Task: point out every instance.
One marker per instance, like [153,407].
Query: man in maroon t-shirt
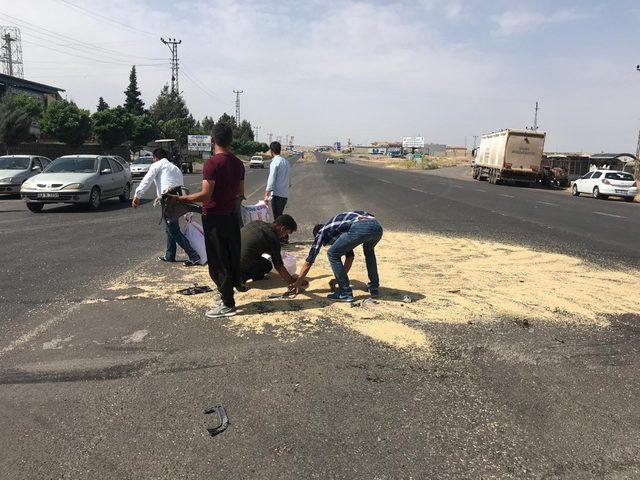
[222,185]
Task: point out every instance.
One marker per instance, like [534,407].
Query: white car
[256,162]
[15,169]
[606,183]
[140,167]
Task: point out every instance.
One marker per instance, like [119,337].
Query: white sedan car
[606,183]
[256,162]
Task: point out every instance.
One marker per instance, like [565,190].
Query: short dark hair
[275,147]
[317,228]
[160,153]
[287,222]
[222,134]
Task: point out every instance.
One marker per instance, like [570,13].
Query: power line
[172,43]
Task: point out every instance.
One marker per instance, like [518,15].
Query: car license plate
[621,191]
[48,195]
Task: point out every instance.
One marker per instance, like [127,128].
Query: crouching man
[344,233]
[259,238]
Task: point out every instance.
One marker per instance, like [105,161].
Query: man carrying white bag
[195,234]
[260,211]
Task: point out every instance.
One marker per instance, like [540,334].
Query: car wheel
[596,193]
[126,194]
[94,199]
[35,207]
[629,199]
[574,191]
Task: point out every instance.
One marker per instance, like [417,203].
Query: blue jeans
[174,235]
[366,233]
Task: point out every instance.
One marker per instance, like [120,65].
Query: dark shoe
[191,263]
[374,292]
[341,296]
[242,288]
[164,259]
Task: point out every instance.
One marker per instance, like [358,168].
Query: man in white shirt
[168,179]
[277,191]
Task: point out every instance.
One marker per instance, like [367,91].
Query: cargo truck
[509,155]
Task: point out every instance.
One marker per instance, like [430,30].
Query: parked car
[256,162]
[85,179]
[342,160]
[140,167]
[330,160]
[15,169]
[606,183]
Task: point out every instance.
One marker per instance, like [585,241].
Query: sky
[327,70]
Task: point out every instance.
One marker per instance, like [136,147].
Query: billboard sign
[199,143]
[412,142]
[337,146]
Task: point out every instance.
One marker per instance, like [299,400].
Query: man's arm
[271,181]
[201,196]
[284,273]
[299,284]
[145,183]
[241,189]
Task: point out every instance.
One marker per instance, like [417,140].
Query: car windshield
[619,176]
[77,164]
[144,161]
[14,163]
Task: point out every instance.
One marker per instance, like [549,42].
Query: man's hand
[299,285]
[267,197]
[135,202]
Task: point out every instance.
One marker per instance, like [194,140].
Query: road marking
[418,190]
[383,180]
[505,195]
[548,203]
[479,190]
[456,186]
[609,215]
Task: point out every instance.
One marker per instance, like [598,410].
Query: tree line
[130,123]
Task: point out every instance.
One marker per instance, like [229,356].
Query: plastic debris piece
[222,420]
[195,289]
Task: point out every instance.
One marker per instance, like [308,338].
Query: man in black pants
[259,238]
[222,185]
[277,191]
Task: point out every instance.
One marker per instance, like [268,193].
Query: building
[578,164]
[435,149]
[456,152]
[14,85]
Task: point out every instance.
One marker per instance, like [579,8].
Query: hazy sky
[367,70]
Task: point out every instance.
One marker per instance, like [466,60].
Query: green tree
[67,123]
[33,106]
[133,102]
[102,105]
[15,123]
[144,130]
[229,120]
[244,131]
[207,124]
[178,129]
[168,106]
[248,147]
[113,126]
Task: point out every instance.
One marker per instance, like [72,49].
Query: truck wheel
[574,191]
[474,174]
[191,168]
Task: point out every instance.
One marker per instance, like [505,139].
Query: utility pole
[535,119]
[172,43]
[238,92]
[257,131]
[270,138]
[475,139]
[10,54]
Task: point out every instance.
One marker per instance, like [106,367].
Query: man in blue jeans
[344,233]
[168,179]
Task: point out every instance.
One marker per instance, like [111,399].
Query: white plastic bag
[259,211]
[195,234]
[288,259]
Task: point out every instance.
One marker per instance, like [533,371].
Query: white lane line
[505,195]
[609,215]
[548,203]
[418,190]
[383,180]
[456,186]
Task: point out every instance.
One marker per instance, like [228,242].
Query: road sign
[337,146]
[199,143]
[412,142]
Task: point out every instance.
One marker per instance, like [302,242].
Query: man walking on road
[344,232]
[222,184]
[168,179]
[277,190]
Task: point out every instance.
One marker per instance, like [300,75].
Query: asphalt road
[330,405]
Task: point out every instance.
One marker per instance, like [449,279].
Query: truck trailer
[509,155]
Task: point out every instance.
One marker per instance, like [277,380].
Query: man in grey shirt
[277,190]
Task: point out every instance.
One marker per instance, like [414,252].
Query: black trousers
[257,271]
[222,240]
[278,204]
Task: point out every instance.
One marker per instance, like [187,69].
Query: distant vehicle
[509,155]
[140,167]
[606,183]
[554,176]
[256,162]
[87,179]
[330,160]
[15,169]
[122,161]
[342,160]
[395,154]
